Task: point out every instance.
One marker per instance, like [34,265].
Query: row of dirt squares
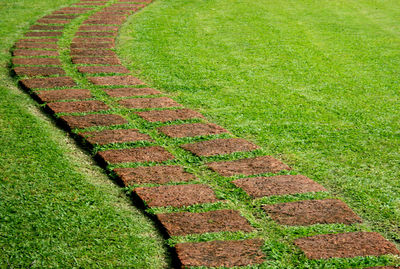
[93,48]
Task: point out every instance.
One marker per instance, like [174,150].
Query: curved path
[128,127]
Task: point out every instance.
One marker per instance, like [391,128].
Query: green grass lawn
[57,208]
[315,83]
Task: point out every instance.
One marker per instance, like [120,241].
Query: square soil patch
[312,212]
[53,21]
[185,223]
[115,136]
[247,167]
[92,52]
[169,115]
[25,52]
[44,83]
[82,45]
[95,34]
[134,155]
[36,61]
[127,92]
[92,120]
[258,187]
[115,80]
[35,45]
[60,16]
[78,106]
[191,130]
[220,253]
[94,40]
[103,69]
[178,195]
[47,27]
[345,245]
[38,71]
[98,28]
[105,21]
[57,95]
[159,102]
[154,174]
[95,60]
[219,147]
[31,34]
[35,40]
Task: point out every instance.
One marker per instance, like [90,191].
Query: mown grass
[57,208]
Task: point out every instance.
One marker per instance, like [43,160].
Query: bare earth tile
[36,61]
[277,185]
[27,52]
[78,106]
[96,60]
[31,34]
[94,39]
[114,136]
[185,223]
[92,120]
[252,166]
[82,45]
[92,52]
[102,69]
[57,95]
[38,71]
[160,102]
[127,92]
[44,83]
[35,45]
[115,80]
[191,130]
[221,253]
[169,115]
[142,154]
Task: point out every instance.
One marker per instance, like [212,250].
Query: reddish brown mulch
[38,71]
[108,16]
[159,102]
[169,115]
[252,166]
[92,120]
[277,185]
[98,28]
[191,130]
[53,21]
[57,95]
[68,12]
[133,155]
[93,40]
[36,61]
[127,92]
[219,146]
[185,223]
[103,69]
[81,45]
[46,27]
[95,60]
[67,17]
[105,21]
[345,245]
[44,83]
[115,136]
[178,196]
[121,9]
[92,52]
[77,8]
[78,106]
[221,253]
[90,4]
[312,212]
[153,174]
[35,45]
[43,34]
[95,34]
[24,52]
[115,80]
[48,40]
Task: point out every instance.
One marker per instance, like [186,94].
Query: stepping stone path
[110,88]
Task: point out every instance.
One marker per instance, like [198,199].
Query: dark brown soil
[38,71]
[115,80]
[36,61]
[89,4]
[46,27]
[178,196]
[44,83]
[93,40]
[277,185]
[209,222]
[113,13]
[98,28]
[92,120]
[67,17]
[53,21]
[92,52]
[108,16]
[220,253]
[69,12]
[128,5]
[312,212]
[105,21]
[95,34]
[169,115]
[23,52]
[43,34]
[191,130]
[92,45]
[115,136]
[95,60]
[103,69]
[252,166]
[133,155]
[123,9]
[77,8]
[159,102]
[48,40]
[78,106]
[346,245]
[35,45]
[127,92]
[57,95]
[219,146]
[155,174]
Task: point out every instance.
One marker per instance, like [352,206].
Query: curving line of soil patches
[36,61]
